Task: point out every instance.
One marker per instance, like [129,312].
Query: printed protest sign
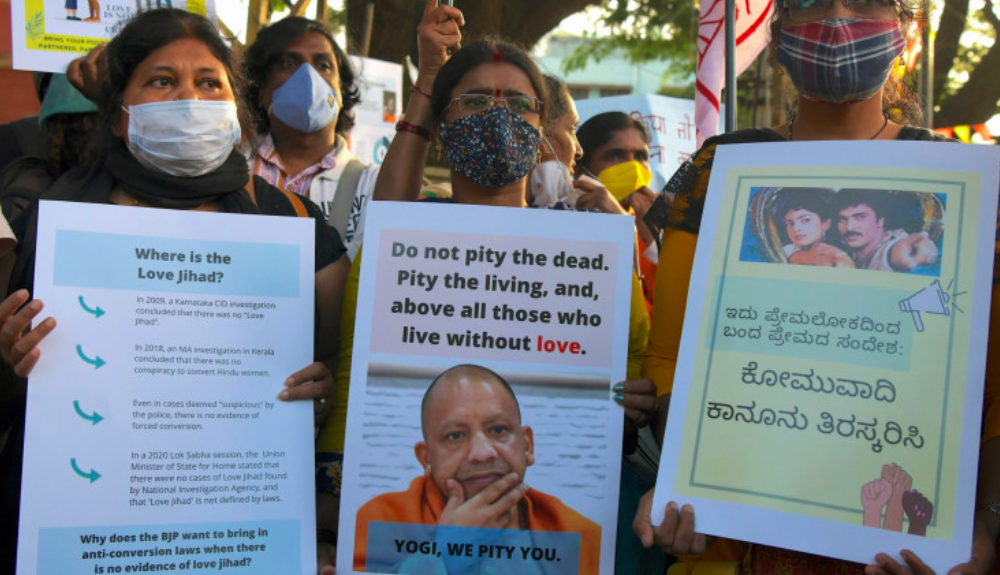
[48,34]
[154,440]
[381,85]
[830,379]
[510,460]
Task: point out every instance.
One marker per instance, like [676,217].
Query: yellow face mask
[623,179]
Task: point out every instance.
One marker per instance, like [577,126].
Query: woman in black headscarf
[171,110]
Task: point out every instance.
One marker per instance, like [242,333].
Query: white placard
[542,299]
[833,407]
[48,34]
[154,439]
[381,104]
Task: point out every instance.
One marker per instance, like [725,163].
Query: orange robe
[423,503]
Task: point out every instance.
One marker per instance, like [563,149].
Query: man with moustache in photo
[475,453]
[861,223]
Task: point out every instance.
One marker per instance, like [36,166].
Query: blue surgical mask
[185,138]
[305,102]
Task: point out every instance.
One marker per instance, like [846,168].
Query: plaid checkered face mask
[841,59]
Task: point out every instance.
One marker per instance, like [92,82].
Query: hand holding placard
[20,349]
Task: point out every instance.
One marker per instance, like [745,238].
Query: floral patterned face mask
[493,148]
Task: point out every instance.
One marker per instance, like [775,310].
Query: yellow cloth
[704,568]
[991,405]
[423,503]
[331,438]
[673,274]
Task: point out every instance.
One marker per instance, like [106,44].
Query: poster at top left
[48,34]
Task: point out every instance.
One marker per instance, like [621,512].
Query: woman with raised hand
[170,109]
[486,108]
[840,97]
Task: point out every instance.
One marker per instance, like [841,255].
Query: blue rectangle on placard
[446,550]
[118,261]
[245,547]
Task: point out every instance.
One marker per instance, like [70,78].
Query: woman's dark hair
[488,49]
[815,200]
[899,103]
[147,32]
[267,51]
[559,98]
[848,198]
[68,142]
[599,130]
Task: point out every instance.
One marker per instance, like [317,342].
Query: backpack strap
[294,199]
[343,200]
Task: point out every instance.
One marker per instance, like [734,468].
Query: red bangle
[404,126]
[416,90]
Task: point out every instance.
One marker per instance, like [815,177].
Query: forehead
[183,53]
[465,393]
[856,208]
[629,139]
[310,43]
[490,77]
[798,212]
[891,8]
[569,119]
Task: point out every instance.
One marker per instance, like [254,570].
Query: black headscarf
[119,169]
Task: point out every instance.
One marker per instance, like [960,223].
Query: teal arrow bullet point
[94,419]
[92,476]
[96,362]
[97,312]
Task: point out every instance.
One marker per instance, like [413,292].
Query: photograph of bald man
[475,453]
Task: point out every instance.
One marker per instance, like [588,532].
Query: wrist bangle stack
[404,126]
[416,90]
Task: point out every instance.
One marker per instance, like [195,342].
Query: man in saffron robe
[474,454]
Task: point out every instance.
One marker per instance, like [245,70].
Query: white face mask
[184,138]
[550,182]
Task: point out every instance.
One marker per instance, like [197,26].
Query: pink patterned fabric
[267,164]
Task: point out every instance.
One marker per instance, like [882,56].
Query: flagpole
[730,65]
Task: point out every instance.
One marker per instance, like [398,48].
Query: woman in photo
[804,215]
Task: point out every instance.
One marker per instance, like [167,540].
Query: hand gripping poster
[830,379]
[482,436]
[48,34]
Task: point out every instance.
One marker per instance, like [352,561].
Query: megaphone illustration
[931,299]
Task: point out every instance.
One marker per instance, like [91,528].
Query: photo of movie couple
[870,229]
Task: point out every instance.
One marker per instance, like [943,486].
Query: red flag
[752,19]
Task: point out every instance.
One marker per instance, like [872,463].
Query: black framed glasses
[520,104]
